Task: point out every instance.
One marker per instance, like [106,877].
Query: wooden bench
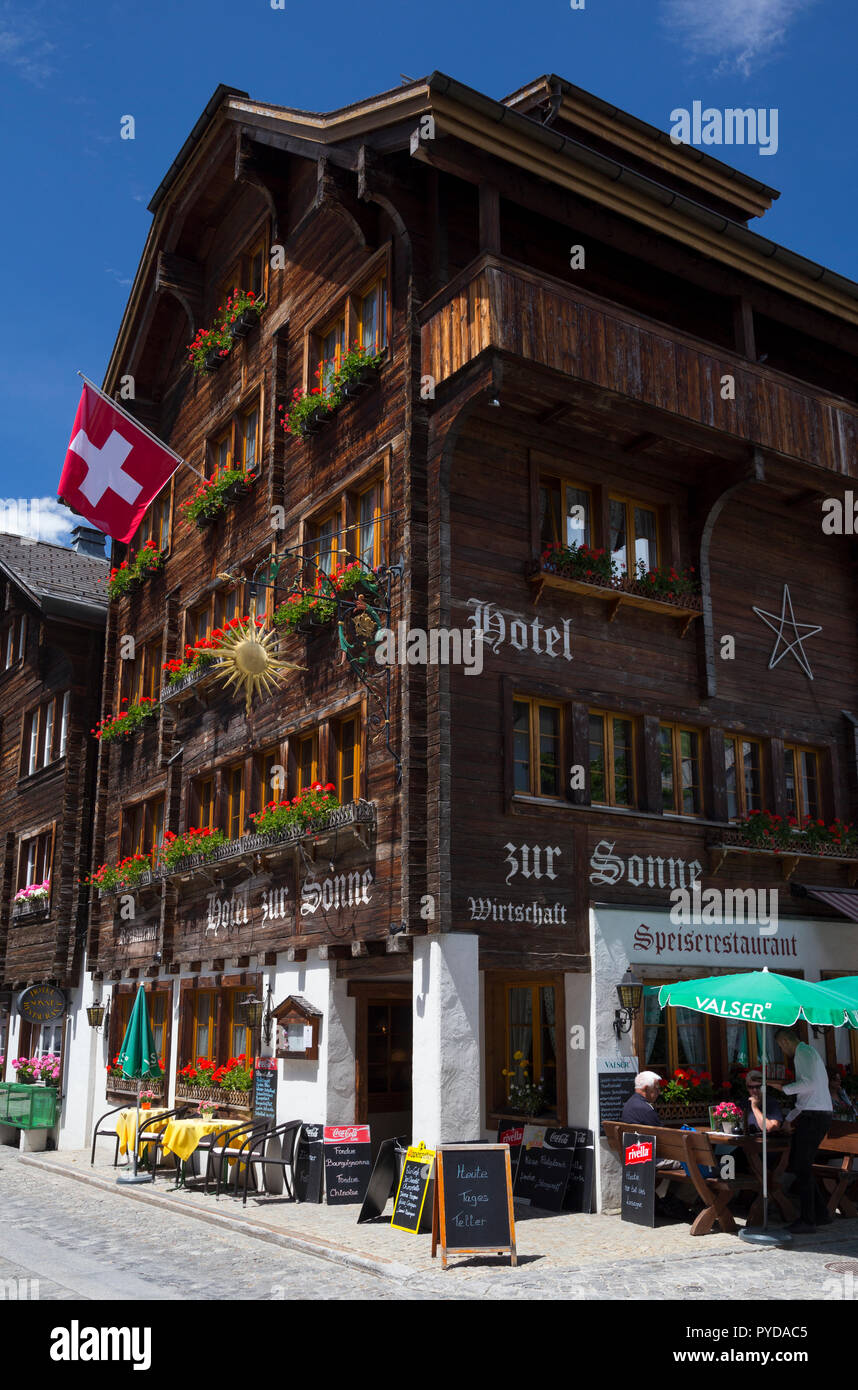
[841,1142]
[692,1148]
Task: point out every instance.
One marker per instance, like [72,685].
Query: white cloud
[117,275]
[36,518]
[24,48]
[743,34]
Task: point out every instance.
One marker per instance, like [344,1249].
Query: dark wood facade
[685,367]
[52,610]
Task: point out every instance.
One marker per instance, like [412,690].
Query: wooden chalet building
[53,608]
[583,343]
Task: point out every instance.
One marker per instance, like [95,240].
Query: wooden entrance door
[384,1057]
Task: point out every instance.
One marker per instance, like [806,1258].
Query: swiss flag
[113,468]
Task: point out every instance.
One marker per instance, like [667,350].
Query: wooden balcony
[500,305]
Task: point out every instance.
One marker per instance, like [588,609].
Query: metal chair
[221,1147]
[107,1134]
[276,1150]
[155,1136]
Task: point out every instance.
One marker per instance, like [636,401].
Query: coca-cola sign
[346,1134]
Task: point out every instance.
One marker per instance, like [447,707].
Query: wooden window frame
[676,732]
[355,531]
[797,749]
[630,502]
[48,833]
[262,791]
[346,307]
[607,717]
[39,714]
[300,739]
[240,273]
[146,840]
[230,431]
[14,641]
[353,716]
[228,773]
[535,703]
[742,809]
[673,1038]
[496,985]
[160,509]
[562,482]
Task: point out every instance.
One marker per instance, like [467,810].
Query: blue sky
[76,194]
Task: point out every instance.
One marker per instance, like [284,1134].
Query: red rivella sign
[639,1153]
[347,1134]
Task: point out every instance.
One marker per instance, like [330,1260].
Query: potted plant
[358,368]
[526,1096]
[146,1099]
[133,572]
[202,842]
[311,409]
[25,1070]
[688,1091]
[242,312]
[32,898]
[212,496]
[307,808]
[729,1116]
[128,721]
[305,612]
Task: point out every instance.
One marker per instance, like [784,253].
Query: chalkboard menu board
[615,1087]
[308,1164]
[413,1206]
[348,1163]
[525,1173]
[638,1194]
[264,1091]
[382,1183]
[473,1207]
[543,1171]
[579,1189]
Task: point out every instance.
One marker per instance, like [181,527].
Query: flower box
[212,361]
[685,1114]
[124,1087]
[214,1094]
[34,910]
[789,854]
[244,324]
[617,594]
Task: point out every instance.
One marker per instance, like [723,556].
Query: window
[307,760]
[801,769]
[531,1029]
[249,438]
[155,525]
[198,624]
[744,760]
[536,736]
[565,512]
[671,1038]
[369,511]
[240,1036]
[227,606]
[372,318]
[45,734]
[612,761]
[270,784]
[140,677]
[348,759]
[248,273]
[142,829]
[332,342]
[233,791]
[157,1002]
[325,535]
[633,539]
[34,864]
[220,453]
[203,799]
[15,641]
[204,1025]
[679,755]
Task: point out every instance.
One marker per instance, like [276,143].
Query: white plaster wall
[447,1039]
[81,1052]
[577,1046]
[321,1092]
[814,946]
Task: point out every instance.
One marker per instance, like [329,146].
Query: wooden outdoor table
[752,1146]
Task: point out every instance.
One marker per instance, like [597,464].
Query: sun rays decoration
[247,661]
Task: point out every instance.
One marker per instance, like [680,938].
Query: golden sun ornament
[247,661]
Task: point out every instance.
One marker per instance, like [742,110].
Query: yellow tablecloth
[182,1137]
[126,1124]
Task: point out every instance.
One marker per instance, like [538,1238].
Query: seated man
[640,1112]
[842,1103]
[774,1112]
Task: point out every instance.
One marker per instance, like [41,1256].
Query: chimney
[86,540]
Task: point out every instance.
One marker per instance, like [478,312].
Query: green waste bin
[28,1107]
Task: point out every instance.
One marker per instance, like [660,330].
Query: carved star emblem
[786,627]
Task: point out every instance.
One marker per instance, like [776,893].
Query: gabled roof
[59,581]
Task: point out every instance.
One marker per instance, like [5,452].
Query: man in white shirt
[811,1117]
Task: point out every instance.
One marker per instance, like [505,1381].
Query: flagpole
[139,426]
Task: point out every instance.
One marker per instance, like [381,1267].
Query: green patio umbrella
[847,985]
[761,996]
[138,1058]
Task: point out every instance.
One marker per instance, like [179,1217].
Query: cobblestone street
[89,1239]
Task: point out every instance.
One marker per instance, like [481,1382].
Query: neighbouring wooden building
[583,344]
[53,608]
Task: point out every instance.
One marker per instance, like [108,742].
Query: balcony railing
[360,816]
[790,854]
[496,303]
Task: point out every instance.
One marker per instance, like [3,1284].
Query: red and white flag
[114,468]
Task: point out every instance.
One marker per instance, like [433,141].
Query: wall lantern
[95,1015]
[253,1010]
[630,993]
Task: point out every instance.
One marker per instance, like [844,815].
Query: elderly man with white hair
[639,1110]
